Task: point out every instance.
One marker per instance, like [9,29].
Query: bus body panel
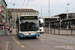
[29,34]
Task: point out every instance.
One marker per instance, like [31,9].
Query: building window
[34,13]
[24,10]
[27,10]
[24,13]
[17,10]
[20,13]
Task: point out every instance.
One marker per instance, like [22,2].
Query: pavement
[13,32]
[2,32]
[62,32]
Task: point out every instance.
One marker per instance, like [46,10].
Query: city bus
[41,25]
[27,26]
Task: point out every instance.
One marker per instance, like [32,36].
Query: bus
[41,25]
[27,26]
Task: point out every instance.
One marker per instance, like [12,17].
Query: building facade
[3,11]
[17,12]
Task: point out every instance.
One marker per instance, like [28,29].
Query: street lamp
[67,11]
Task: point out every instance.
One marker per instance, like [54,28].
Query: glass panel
[28,26]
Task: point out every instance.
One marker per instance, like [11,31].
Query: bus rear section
[28,27]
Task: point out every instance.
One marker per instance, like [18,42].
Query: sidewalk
[2,32]
[59,31]
[13,32]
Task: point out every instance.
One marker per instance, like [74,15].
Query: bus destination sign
[28,18]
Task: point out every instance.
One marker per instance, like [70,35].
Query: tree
[1,21]
[9,15]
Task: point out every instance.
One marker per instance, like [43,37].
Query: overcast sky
[59,6]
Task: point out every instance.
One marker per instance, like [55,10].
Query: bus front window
[28,26]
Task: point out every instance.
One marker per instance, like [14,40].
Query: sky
[56,6]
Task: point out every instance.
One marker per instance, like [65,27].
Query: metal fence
[53,30]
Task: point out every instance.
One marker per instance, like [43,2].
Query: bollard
[54,30]
[58,31]
[71,31]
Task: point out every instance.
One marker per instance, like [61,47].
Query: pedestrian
[3,27]
[67,27]
[10,30]
[72,27]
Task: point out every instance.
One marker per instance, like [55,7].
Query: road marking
[7,45]
[19,43]
[15,40]
[22,46]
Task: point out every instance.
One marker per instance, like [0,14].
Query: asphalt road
[44,42]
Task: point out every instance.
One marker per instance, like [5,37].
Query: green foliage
[9,15]
[1,21]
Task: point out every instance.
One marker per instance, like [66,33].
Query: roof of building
[63,14]
[49,17]
[21,10]
[5,2]
[70,19]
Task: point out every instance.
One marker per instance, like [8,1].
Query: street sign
[0,9]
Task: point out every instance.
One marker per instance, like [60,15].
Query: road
[44,42]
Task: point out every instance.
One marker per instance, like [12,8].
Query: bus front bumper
[22,35]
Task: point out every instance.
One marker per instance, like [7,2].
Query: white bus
[41,25]
[27,26]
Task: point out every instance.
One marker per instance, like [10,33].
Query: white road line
[7,45]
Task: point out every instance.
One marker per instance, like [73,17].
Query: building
[60,20]
[63,21]
[17,12]
[3,11]
[64,15]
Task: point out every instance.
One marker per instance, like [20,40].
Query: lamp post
[67,11]
[60,23]
[49,14]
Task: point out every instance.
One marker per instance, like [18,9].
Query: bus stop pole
[54,29]
[71,31]
[58,29]
[49,26]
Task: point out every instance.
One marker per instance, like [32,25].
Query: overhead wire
[23,2]
[28,2]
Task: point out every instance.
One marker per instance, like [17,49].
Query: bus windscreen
[28,26]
